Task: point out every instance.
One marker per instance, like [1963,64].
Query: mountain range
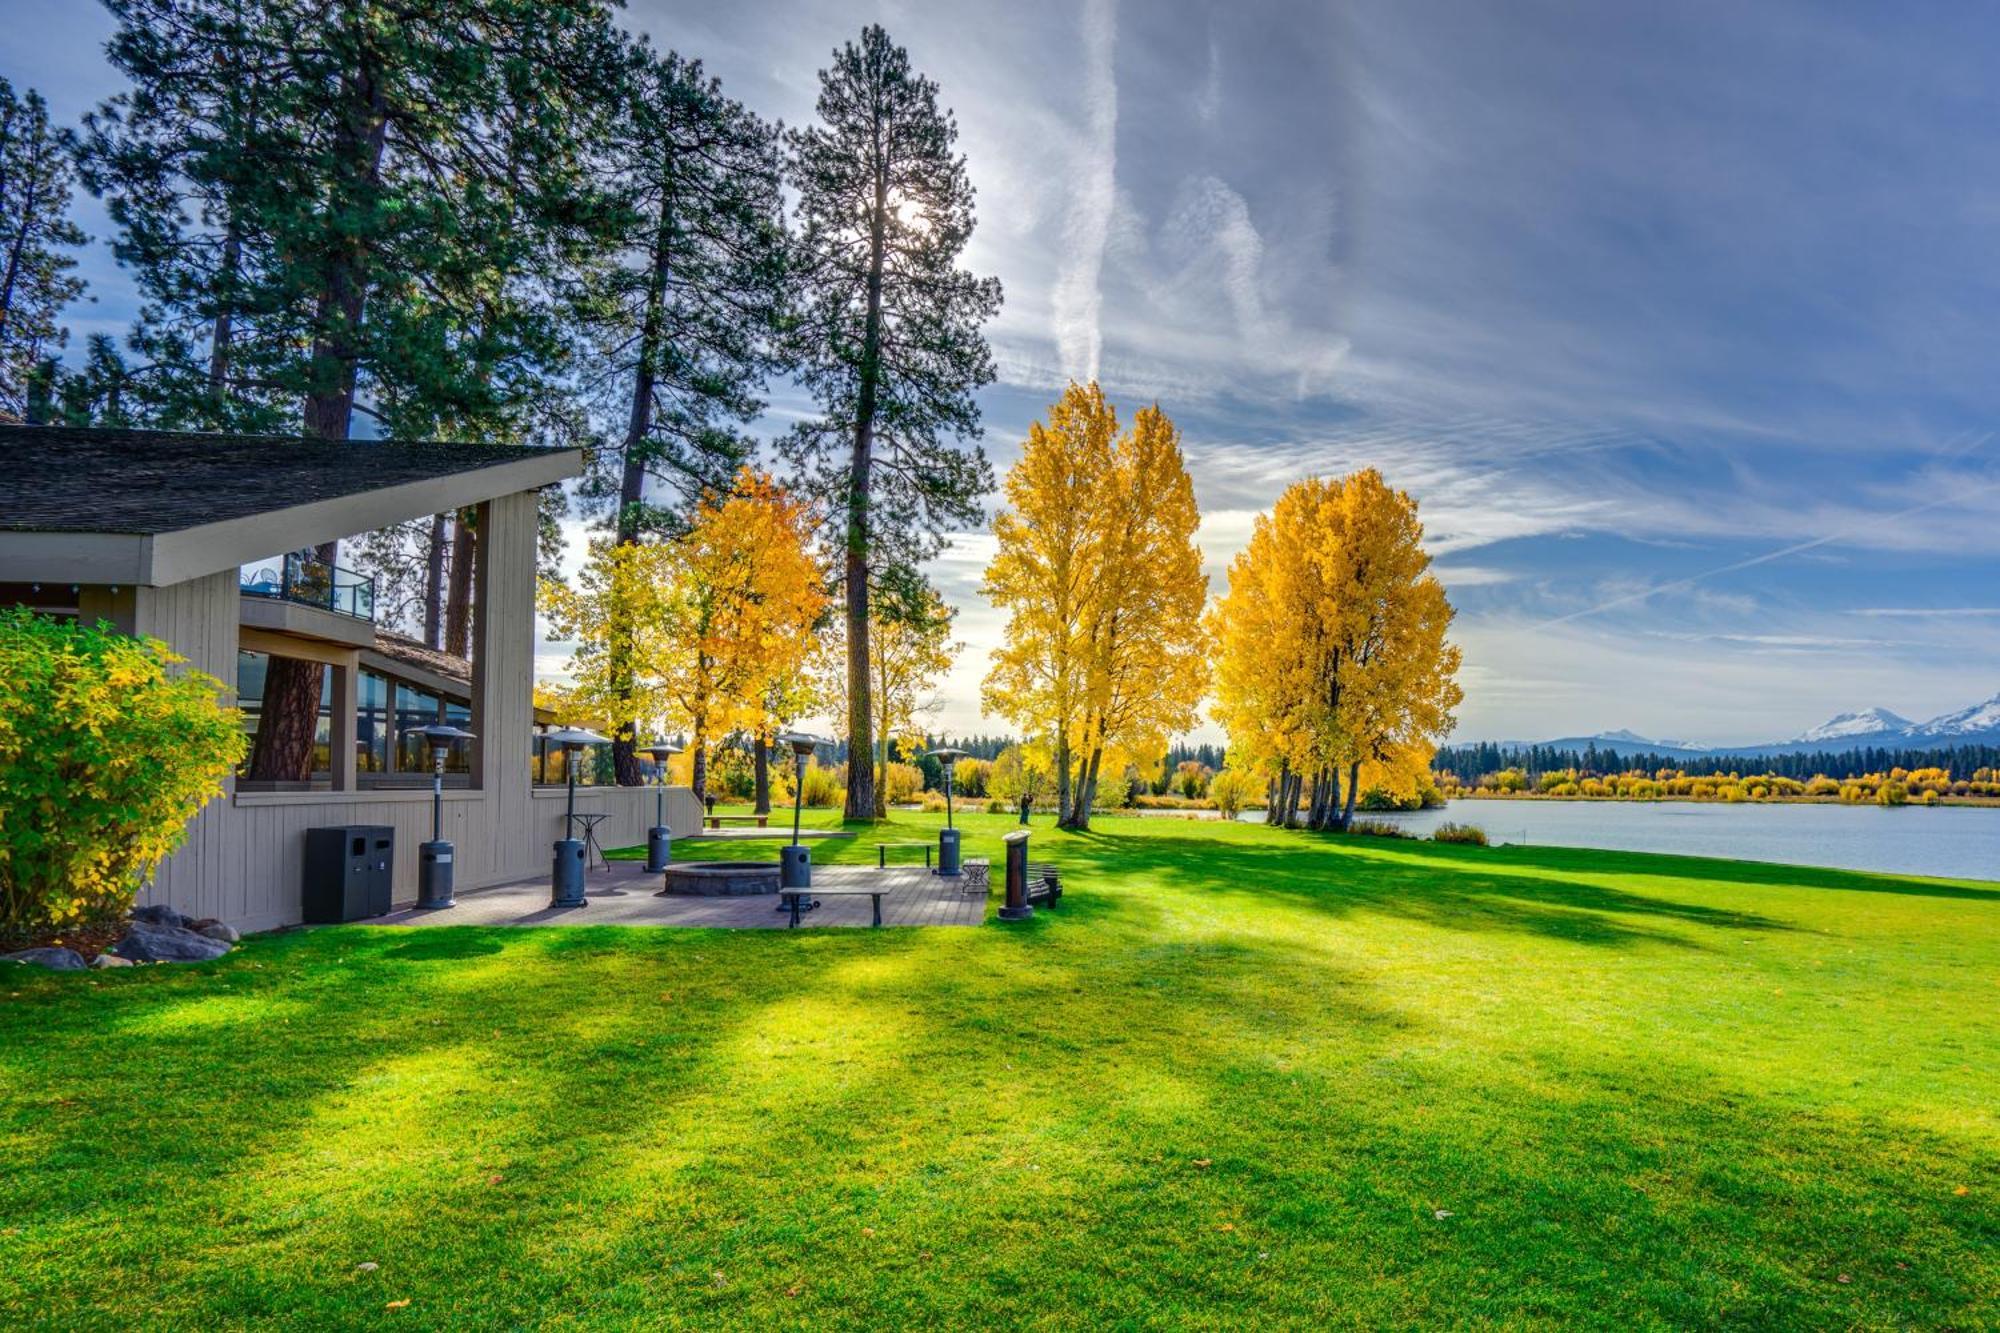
[1865,728]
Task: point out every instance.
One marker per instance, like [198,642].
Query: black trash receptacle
[349,873]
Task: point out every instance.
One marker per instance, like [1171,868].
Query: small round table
[590,821]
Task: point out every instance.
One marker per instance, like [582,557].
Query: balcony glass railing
[310,582]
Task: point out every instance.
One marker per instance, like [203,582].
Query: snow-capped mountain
[1865,722]
[1866,728]
[1973,721]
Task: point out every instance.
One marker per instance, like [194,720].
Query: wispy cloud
[1929,612]
[1077,300]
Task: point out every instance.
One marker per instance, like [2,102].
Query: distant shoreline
[1978,801]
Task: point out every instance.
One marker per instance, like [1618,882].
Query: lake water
[1954,842]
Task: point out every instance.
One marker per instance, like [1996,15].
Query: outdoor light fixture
[434,858]
[795,861]
[566,880]
[948,835]
[659,838]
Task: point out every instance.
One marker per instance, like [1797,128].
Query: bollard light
[434,858]
[948,835]
[566,878]
[659,838]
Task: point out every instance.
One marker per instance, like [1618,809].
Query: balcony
[304,581]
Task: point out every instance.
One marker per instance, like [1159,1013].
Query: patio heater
[434,858]
[566,880]
[660,838]
[795,861]
[948,835]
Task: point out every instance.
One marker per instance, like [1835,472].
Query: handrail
[309,581]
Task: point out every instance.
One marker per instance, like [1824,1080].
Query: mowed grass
[1240,1076]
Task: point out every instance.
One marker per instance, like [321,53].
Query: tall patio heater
[660,838]
[948,835]
[434,858]
[795,861]
[566,879]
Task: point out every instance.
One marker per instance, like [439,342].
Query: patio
[625,895]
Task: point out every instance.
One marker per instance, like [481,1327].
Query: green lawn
[1241,1075]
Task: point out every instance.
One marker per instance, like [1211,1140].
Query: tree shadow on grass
[1456,893]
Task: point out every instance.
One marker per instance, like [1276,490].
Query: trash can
[349,873]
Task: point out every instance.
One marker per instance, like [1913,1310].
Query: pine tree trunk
[760,758]
[458,594]
[860,735]
[434,584]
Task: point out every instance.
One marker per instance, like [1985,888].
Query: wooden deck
[625,896]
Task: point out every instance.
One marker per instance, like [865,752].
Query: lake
[1954,842]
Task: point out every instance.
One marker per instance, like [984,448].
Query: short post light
[660,838]
[434,858]
[948,835]
[795,861]
[566,879]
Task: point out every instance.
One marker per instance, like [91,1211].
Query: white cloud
[1076,300]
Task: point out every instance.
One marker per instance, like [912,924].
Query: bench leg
[881,858]
[795,910]
[878,907]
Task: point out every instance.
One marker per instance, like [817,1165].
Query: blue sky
[1680,322]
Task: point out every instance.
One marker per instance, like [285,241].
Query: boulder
[55,959]
[158,914]
[218,930]
[146,943]
[110,960]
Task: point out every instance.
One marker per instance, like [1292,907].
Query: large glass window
[371,723]
[252,669]
[414,708]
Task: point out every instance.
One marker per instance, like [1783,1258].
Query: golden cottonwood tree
[1332,666]
[714,624]
[1098,571]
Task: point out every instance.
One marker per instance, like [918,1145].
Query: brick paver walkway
[625,896]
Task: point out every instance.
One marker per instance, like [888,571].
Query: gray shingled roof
[143,482]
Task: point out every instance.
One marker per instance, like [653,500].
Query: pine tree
[682,326]
[353,208]
[36,234]
[887,336]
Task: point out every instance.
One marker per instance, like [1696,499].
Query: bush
[901,783]
[1892,793]
[1470,835]
[1231,790]
[104,758]
[934,802]
[1377,828]
[823,786]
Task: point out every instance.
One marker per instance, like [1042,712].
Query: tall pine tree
[358,206]
[36,236]
[682,327]
[887,337]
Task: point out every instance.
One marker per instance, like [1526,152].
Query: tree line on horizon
[1468,764]
[506,221]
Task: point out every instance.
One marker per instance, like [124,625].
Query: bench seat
[795,899]
[882,850]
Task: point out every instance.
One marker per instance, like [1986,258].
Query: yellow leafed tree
[1332,669]
[716,624]
[1098,571]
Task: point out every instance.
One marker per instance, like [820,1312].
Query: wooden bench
[882,852]
[795,900]
[1044,883]
[717,821]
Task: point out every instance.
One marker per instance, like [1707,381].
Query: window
[252,668]
[414,708]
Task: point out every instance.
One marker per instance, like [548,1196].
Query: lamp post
[434,858]
[660,838]
[948,835]
[566,879]
[795,861]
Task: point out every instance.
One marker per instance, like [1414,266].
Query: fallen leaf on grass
[366,1266]
[1227,1226]
[1843,1278]
[396,1305]
[1962,1189]
[1442,1213]
[868,1231]
[495,1178]
[1204,1163]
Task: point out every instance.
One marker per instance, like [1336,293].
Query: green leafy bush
[105,755]
[1377,828]
[1231,790]
[1471,835]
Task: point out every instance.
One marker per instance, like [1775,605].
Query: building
[184,538]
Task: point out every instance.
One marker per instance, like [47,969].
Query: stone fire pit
[719,879]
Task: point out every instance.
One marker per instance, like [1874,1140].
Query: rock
[54,959]
[218,930]
[110,960]
[145,943]
[158,914]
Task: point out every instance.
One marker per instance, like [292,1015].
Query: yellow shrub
[104,758]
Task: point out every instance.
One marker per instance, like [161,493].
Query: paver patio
[626,895]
